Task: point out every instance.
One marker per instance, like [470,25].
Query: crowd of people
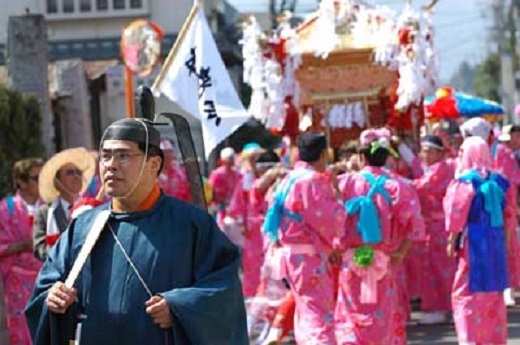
[337,252]
[154,268]
[334,252]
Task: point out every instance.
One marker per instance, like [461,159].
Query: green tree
[487,78]
[20,132]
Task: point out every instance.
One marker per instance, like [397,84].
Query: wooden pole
[129,93]
[176,45]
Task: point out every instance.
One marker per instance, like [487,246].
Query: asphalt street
[445,334]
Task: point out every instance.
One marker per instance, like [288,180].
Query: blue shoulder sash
[368,225]
[277,210]
[10,205]
[488,270]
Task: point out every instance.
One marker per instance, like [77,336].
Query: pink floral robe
[479,317]
[504,162]
[223,181]
[174,182]
[250,208]
[383,322]
[18,271]
[415,229]
[307,245]
[438,269]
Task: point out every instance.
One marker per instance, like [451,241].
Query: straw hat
[78,156]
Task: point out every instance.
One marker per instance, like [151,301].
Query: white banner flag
[197,80]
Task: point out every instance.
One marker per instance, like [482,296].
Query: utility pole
[502,34]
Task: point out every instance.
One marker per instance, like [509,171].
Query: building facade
[88,32]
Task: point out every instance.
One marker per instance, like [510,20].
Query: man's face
[120,165]
[514,143]
[431,155]
[229,162]
[30,186]
[69,179]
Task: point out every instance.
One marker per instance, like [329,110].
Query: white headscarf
[476,127]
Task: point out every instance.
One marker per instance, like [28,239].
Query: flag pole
[176,45]
[129,92]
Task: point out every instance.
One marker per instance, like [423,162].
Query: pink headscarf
[372,134]
[474,154]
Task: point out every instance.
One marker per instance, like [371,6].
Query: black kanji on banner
[205,82]
[211,112]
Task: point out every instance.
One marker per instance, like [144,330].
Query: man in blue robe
[161,272]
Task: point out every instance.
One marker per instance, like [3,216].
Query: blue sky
[461,26]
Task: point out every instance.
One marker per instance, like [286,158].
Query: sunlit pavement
[445,334]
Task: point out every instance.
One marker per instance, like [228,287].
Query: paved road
[445,334]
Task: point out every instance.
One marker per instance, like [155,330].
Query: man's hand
[396,257]
[450,249]
[60,298]
[335,258]
[158,309]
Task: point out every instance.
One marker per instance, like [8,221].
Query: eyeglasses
[119,157]
[73,172]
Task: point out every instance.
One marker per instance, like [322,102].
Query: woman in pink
[503,162]
[374,240]
[173,179]
[438,269]
[223,181]
[475,205]
[251,210]
[18,265]
[311,216]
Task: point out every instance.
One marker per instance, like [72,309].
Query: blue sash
[368,225]
[488,270]
[10,205]
[277,210]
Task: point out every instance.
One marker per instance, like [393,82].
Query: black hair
[377,158]
[153,151]
[514,128]
[268,157]
[22,169]
[311,146]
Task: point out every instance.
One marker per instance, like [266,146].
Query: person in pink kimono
[438,269]
[222,182]
[503,162]
[475,204]
[305,217]
[410,269]
[173,179]
[374,239]
[251,211]
[18,266]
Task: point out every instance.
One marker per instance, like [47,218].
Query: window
[52,6]
[102,5]
[136,3]
[85,5]
[68,6]
[119,4]
[88,9]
